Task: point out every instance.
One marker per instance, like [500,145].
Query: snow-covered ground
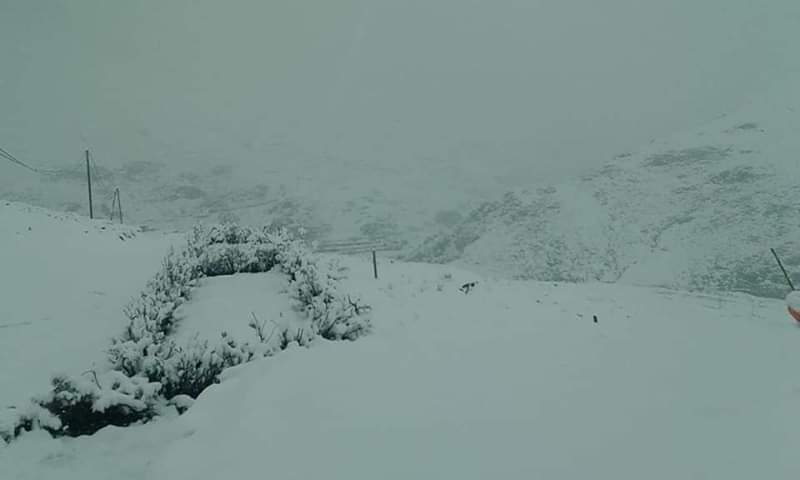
[64,281]
[512,380]
[229,303]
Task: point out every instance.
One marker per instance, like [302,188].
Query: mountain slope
[332,198]
[336,118]
[699,210]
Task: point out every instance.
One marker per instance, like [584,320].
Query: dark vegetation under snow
[151,371]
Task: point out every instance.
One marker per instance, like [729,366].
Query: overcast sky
[554,86]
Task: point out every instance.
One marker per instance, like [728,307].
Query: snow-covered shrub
[333,316]
[149,368]
[84,406]
[181,402]
[342,319]
[301,338]
[80,406]
[228,249]
[192,368]
[153,309]
[145,348]
[30,416]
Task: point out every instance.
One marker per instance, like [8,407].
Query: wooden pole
[375,264]
[119,205]
[89,183]
[780,264]
[113,205]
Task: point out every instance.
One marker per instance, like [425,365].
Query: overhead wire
[11,158]
[103,185]
[102,182]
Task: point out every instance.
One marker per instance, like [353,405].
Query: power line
[94,168]
[11,158]
[101,180]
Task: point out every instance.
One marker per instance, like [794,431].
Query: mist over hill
[699,210]
[395,120]
[451,101]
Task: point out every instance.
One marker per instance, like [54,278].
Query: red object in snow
[794,313]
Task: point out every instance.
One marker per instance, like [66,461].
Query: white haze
[535,90]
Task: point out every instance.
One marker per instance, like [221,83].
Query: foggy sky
[550,86]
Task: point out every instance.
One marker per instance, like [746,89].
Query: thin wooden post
[375,264]
[89,183]
[113,205]
[119,205]
[780,264]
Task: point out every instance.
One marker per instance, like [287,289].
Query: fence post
[89,183]
[119,205]
[375,264]
[113,206]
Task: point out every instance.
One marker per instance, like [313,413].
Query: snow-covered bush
[81,406]
[30,416]
[84,406]
[333,316]
[192,368]
[149,368]
[145,348]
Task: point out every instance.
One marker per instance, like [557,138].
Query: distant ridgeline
[689,214]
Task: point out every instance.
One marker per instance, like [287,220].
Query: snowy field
[64,281]
[507,144]
[512,380]
[229,303]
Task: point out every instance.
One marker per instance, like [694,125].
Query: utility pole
[113,206]
[119,205]
[89,182]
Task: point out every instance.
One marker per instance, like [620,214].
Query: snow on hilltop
[64,281]
[698,211]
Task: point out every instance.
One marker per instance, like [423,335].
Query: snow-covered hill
[696,211]
[332,198]
[339,119]
[513,380]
